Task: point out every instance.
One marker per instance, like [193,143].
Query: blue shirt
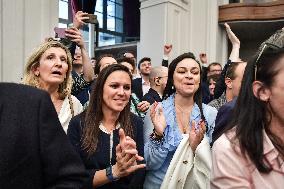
[158,155]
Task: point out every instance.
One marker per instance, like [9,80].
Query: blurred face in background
[145,68]
[106,61]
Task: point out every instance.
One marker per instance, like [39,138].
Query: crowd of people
[114,122]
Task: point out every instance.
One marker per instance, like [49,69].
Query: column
[23,26]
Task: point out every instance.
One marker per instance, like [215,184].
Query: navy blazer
[152,96]
[101,158]
[223,118]
[137,88]
[34,150]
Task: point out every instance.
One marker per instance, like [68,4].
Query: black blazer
[34,150]
[152,96]
[101,158]
[137,88]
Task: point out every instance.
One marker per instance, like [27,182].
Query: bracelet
[110,175]
[156,137]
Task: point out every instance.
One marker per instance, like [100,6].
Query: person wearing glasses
[158,81]
[250,154]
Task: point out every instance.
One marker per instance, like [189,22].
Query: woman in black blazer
[110,156]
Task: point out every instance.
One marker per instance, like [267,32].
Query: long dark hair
[251,115]
[170,89]
[94,115]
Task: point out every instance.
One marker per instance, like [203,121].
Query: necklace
[103,129]
[183,117]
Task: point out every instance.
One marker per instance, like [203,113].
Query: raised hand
[143,106]
[231,35]
[78,20]
[203,58]
[75,35]
[196,134]
[167,49]
[158,118]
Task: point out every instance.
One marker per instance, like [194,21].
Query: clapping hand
[196,134]
[143,106]
[158,118]
[167,49]
[126,156]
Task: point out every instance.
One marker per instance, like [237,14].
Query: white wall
[23,25]
[190,25]
[163,21]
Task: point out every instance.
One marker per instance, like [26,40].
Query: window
[63,14]
[110,17]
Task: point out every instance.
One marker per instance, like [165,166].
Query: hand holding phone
[92,19]
[59,32]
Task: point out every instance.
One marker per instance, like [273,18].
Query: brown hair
[94,115]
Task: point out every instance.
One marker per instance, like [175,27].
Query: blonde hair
[31,79]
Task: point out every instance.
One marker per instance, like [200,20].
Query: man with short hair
[233,79]
[141,86]
[158,80]
[225,112]
[214,68]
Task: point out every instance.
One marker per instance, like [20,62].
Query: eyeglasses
[265,48]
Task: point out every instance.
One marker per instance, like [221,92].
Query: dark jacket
[101,158]
[137,88]
[152,96]
[223,118]
[34,150]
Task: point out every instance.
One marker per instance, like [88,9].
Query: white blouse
[65,114]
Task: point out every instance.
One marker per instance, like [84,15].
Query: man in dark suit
[158,82]
[34,151]
[141,86]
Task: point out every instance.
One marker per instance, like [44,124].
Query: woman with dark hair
[95,133]
[250,154]
[181,112]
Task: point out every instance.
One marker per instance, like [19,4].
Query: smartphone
[59,32]
[92,19]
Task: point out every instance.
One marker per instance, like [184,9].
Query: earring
[173,87]
[37,74]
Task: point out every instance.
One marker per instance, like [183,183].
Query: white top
[145,87]
[65,114]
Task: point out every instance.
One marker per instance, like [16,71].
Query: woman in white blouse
[49,68]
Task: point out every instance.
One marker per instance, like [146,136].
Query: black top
[35,153]
[101,158]
[152,96]
[137,88]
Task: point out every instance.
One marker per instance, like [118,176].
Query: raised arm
[75,36]
[167,50]
[234,56]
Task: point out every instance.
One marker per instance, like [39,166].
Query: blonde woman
[49,68]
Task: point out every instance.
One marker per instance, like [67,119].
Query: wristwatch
[110,175]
